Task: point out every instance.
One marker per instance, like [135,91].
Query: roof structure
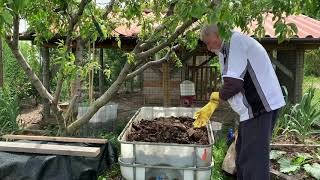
[308,35]
[307,27]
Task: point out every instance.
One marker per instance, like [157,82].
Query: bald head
[208,29]
[210,36]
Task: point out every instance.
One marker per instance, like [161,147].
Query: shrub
[14,75]
[312,63]
[9,108]
[304,116]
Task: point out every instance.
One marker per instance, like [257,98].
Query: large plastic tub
[145,160]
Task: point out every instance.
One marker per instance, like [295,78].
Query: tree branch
[16,21]
[59,86]
[152,63]
[148,42]
[70,108]
[13,44]
[27,69]
[149,64]
[170,11]
[171,39]
[106,97]
[74,20]
[171,8]
[108,9]
[101,101]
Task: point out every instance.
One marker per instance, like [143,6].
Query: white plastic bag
[229,162]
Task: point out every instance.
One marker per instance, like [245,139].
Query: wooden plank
[49,149]
[295,145]
[282,68]
[57,139]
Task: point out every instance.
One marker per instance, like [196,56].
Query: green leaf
[7,17]
[313,170]
[118,41]
[19,4]
[275,154]
[286,166]
[304,155]
[72,57]
[198,10]
[130,57]
[293,27]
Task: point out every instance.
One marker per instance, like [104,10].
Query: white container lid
[187,88]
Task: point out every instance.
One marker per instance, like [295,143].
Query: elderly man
[251,87]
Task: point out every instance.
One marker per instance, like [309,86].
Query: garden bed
[300,161]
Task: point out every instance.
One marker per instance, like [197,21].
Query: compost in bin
[168,130]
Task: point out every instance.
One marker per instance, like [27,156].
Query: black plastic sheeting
[27,166]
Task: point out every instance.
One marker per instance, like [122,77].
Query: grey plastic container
[146,157]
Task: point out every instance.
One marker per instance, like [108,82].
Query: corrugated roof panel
[307,27]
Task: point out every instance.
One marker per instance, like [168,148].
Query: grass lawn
[311,81]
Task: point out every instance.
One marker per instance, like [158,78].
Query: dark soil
[168,130]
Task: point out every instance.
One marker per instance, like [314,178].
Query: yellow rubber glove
[203,115]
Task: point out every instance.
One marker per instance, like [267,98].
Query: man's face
[213,41]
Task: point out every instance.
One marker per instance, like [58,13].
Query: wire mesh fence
[164,85]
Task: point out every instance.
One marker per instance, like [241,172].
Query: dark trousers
[253,147]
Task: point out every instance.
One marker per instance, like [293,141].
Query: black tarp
[27,166]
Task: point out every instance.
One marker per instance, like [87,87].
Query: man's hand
[203,115]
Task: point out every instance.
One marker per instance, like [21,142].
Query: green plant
[219,152]
[9,109]
[281,125]
[312,81]
[14,76]
[317,153]
[287,166]
[291,165]
[275,154]
[313,170]
[300,161]
[112,138]
[303,116]
[312,63]
[114,61]
[113,173]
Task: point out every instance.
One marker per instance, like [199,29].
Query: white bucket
[187,88]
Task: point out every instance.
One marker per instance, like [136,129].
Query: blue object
[161,177]
[230,136]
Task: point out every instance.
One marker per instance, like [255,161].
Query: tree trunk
[76,83]
[27,69]
[101,75]
[101,101]
[35,81]
[45,80]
